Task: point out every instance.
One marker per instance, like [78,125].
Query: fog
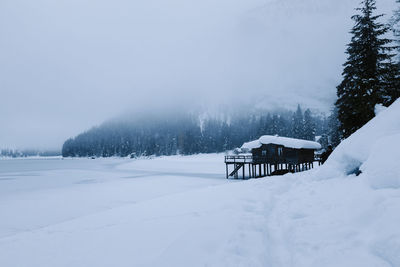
[67,65]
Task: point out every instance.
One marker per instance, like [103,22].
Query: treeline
[15,153]
[187,134]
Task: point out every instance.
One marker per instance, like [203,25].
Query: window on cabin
[264,153]
[280,151]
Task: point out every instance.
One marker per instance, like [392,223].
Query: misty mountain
[78,63]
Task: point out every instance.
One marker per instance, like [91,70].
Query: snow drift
[374,149]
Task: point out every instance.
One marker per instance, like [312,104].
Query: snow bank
[381,168]
[284,141]
[364,144]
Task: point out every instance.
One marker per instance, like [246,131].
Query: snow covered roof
[284,141]
[252,144]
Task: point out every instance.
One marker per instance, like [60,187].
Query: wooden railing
[239,159]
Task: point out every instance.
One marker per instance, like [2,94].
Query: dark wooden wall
[269,154]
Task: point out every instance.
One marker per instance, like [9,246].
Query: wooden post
[236,174]
[243,170]
[227,170]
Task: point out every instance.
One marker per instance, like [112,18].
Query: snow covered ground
[181,211]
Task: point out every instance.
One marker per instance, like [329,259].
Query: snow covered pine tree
[368,75]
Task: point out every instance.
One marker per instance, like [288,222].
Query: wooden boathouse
[271,155]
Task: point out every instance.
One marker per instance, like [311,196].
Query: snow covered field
[181,211]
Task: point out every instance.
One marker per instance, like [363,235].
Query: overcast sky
[67,65]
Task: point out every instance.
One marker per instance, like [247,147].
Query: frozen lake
[30,174]
[38,194]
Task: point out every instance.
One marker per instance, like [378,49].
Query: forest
[188,134]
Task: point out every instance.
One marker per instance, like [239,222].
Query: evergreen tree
[283,126]
[395,25]
[323,140]
[275,125]
[268,125]
[390,89]
[365,71]
[297,123]
[333,128]
[309,126]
